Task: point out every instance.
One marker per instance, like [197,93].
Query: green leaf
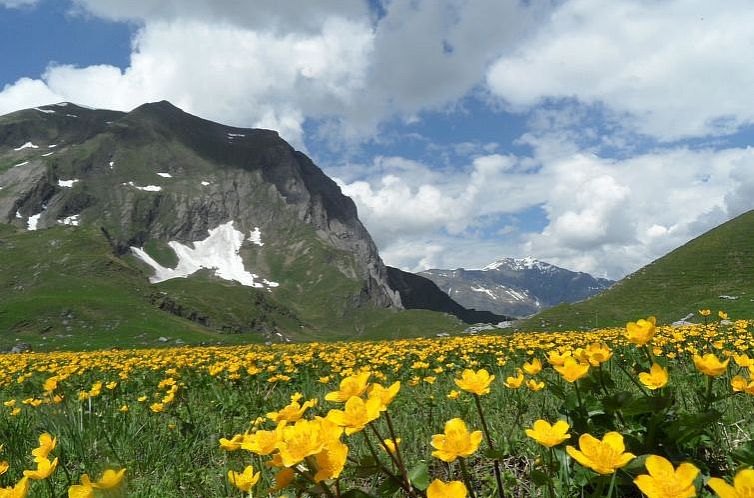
[419,476]
[388,487]
[540,478]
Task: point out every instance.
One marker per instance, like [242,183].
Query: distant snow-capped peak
[518,264]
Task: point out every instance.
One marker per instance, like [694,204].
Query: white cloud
[220,72]
[604,216]
[14,4]
[677,68]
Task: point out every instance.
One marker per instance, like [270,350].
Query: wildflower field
[642,410]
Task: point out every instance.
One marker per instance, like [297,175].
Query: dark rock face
[418,292]
[216,174]
[517,287]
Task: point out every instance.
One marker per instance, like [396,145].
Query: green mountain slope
[82,189]
[694,276]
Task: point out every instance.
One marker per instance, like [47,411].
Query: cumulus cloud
[14,4]
[604,216]
[675,69]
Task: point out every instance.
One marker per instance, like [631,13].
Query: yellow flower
[386,395]
[330,461]
[452,489]
[534,367]
[123,409]
[475,382]
[710,365]
[743,485]
[389,445]
[261,442]
[303,439]
[46,445]
[456,441]
[739,384]
[603,456]
[80,491]
[354,385]
[4,466]
[656,378]
[664,481]
[244,480]
[357,414]
[157,407]
[534,385]
[17,491]
[598,353]
[453,394]
[705,312]
[514,382]
[291,412]
[283,478]
[722,315]
[110,479]
[549,435]
[233,443]
[44,469]
[572,370]
[743,360]
[641,331]
[555,358]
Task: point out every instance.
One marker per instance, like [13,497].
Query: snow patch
[31,223]
[18,215]
[52,146]
[71,115]
[483,290]
[61,104]
[515,264]
[235,135]
[70,220]
[148,188]
[256,237]
[219,252]
[27,145]
[204,184]
[20,164]
[165,175]
[48,154]
[516,295]
[67,183]
[112,164]
[46,111]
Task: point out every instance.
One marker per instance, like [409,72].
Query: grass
[692,277]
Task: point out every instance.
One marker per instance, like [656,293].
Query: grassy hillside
[62,288]
[694,276]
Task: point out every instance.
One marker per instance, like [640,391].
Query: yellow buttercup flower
[389,445]
[556,359]
[18,491]
[572,370]
[330,461]
[292,411]
[386,395]
[46,445]
[354,385]
[598,353]
[260,442]
[641,331]
[283,478]
[110,479]
[710,365]
[534,385]
[743,485]
[663,481]
[705,312]
[306,438]
[656,378]
[475,382]
[452,489]
[514,382]
[453,394]
[456,441]
[722,315]
[244,480]
[603,456]
[44,469]
[549,435]
[533,367]
[357,414]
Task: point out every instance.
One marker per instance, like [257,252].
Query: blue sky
[594,135]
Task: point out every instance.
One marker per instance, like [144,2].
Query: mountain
[162,223]
[715,271]
[418,292]
[516,287]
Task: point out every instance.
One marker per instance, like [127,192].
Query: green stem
[612,485]
[633,380]
[466,477]
[391,429]
[708,395]
[551,468]
[496,462]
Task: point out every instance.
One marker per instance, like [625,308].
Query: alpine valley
[151,226]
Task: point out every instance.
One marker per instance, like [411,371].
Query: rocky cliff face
[157,175]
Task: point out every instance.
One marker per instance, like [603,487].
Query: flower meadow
[644,410]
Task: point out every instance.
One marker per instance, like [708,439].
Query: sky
[594,135]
